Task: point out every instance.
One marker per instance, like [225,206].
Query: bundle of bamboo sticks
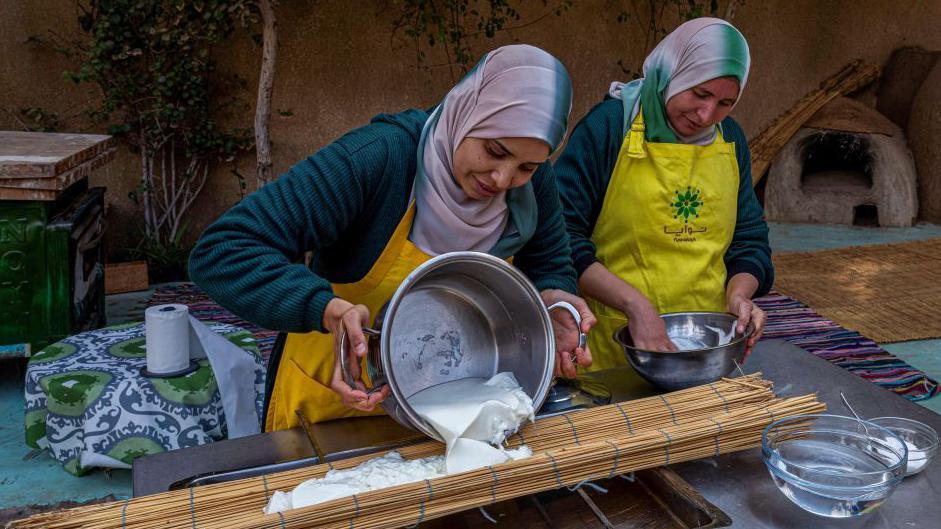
[767,144]
[596,443]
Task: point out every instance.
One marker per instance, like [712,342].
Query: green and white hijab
[697,51]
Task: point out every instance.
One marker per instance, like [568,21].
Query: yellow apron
[666,222]
[305,370]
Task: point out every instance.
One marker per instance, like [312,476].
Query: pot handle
[344,363]
[582,337]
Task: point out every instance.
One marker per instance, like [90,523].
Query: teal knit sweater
[584,169]
[342,203]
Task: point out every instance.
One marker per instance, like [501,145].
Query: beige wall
[336,68]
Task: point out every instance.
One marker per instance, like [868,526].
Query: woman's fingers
[350,396]
[583,356]
[744,316]
[650,333]
[349,320]
[742,308]
[379,396]
[759,318]
[566,365]
[353,321]
[567,334]
[588,318]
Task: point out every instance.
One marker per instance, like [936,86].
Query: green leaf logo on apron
[687,204]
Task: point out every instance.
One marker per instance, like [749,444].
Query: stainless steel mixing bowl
[677,370]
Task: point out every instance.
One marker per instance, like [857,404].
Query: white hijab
[516,91]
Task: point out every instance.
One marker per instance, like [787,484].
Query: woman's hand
[738,293]
[339,316]
[567,352]
[747,312]
[648,330]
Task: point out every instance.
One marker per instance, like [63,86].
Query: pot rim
[406,286]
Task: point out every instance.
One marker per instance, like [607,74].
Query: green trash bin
[51,269]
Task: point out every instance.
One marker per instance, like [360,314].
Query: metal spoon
[858,418]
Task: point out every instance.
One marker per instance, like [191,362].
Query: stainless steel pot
[459,315]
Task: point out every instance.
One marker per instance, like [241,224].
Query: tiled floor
[922,354]
[813,237]
[28,478]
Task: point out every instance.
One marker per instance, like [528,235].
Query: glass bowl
[832,465]
[920,439]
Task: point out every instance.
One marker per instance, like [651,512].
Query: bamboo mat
[568,451]
[888,292]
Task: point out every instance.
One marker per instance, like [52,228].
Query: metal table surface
[740,485]
[737,483]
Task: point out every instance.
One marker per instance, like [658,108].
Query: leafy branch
[161,92]
[455,24]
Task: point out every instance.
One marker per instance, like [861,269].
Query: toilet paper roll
[167,335]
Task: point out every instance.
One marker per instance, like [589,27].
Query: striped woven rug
[794,322]
[788,319]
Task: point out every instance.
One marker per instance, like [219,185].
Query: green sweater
[342,203]
[584,169]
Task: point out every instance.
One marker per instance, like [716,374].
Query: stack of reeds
[596,443]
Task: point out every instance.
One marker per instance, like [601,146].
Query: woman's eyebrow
[506,151]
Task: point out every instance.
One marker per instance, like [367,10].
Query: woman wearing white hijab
[656,186]
[381,200]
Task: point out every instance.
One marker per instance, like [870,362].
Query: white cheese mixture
[471,415]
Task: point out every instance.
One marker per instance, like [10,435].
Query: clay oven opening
[836,161]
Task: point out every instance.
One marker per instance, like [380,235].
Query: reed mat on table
[568,449]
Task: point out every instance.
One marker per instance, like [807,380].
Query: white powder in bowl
[916,457]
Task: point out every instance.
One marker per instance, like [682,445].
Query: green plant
[152,61]
[36,119]
[166,260]
[454,24]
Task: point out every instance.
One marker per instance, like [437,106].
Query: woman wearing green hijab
[657,193]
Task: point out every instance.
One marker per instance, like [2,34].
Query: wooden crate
[126,277]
